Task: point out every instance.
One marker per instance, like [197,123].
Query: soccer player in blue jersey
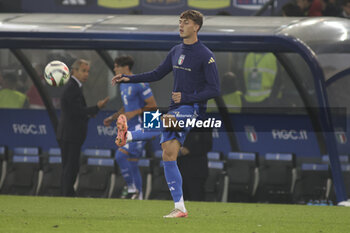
[195,81]
[136,97]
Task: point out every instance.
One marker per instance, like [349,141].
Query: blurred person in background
[231,92]
[137,98]
[310,7]
[330,8]
[73,123]
[345,9]
[291,10]
[9,96]
[193,163]
[34,97]
[260,80]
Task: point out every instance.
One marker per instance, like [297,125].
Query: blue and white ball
[56,73]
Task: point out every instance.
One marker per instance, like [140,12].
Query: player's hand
[176,97]
[119,78]
[108,121]
[184,151]
[102,103]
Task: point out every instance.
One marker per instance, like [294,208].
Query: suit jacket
[75,114]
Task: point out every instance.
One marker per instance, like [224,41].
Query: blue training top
[134,96]
[195,74]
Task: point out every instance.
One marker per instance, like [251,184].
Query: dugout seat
[96,176]
[52,178]
[24,174]
[278,175]
[160,190]
[313,183]
[243,173]
[346,174]
[216,186]
[343,159]
[3,164]
[345,166]
[307,159]
[215,156]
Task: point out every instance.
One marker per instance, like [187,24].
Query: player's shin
[174,180]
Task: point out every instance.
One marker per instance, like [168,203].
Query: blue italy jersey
[195,74]
[134,96]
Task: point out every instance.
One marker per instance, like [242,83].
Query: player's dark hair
[125,61]
[193,15]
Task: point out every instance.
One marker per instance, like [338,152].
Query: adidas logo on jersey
[211,60]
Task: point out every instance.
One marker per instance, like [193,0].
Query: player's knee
[170,150]
[121,154]
[167,155]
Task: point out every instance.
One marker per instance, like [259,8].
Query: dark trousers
[70,166]
[193,188]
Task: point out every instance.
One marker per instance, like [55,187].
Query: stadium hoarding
[263,133]
[170,7]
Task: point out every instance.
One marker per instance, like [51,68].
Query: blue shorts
[183,112]
[134,148]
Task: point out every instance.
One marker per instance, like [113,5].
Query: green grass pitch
[57,214]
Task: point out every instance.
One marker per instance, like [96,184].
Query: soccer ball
[56,73]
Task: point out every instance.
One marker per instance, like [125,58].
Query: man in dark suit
[193,163]
[72,127]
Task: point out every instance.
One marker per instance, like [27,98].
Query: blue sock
[125,168]
[141,135]
[136,175]
[174,179]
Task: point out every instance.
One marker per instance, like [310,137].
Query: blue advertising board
[254,133]
[26,128]
[33,128]
[276,134]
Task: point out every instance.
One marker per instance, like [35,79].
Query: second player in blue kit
[136,98]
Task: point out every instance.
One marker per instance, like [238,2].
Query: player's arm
[108,121]
[151,105]
[160,72]
[210,90]
[76,107]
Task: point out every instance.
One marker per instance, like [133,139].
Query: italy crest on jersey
[181,60]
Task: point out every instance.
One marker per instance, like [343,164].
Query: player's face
[82,73]
[120,69]
[187,28]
